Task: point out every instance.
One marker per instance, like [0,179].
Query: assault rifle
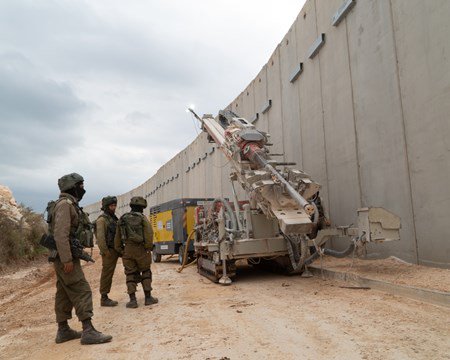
[48,241]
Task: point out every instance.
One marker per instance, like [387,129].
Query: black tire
[156,257]
[180,254]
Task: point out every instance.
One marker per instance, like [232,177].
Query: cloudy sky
[100,87]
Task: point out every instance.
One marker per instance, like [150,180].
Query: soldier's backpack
[132,227]
[49,210]
[84,231]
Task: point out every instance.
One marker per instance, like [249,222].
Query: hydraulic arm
[282,221]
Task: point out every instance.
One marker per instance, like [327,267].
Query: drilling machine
[283,222]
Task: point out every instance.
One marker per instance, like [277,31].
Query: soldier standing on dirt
[105,232]
[134,240]
[72,288]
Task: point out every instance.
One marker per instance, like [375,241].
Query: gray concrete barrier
[368,117]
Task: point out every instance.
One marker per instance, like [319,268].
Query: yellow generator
[172,222]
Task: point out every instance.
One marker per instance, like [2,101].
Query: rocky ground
[260,316]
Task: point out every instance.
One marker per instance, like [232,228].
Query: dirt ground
[260,316]
[392,270]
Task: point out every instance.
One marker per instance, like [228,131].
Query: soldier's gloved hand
[68,267]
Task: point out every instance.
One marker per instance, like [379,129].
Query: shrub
[20,240]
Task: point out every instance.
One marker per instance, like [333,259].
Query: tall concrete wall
[368,118]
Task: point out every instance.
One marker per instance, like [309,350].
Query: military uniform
[105,232]
[72,288]
[134,241]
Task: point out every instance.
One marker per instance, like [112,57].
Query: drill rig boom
[246,148]
[283,217]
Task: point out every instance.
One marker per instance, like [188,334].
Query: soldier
[72,288]
[105,232]
[134,240]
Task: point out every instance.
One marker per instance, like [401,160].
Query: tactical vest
[82,231]
[132,228]
[111,224]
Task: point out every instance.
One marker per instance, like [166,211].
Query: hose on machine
[185,254]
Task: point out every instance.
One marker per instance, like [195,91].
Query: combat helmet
[108,200]
[138,201]
[69,181]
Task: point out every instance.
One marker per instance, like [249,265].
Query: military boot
[149,299]
[65,333]
[132,304]
[106,301]
[91,336]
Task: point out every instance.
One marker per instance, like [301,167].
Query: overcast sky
[100,87]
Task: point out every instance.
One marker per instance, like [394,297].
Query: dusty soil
[260,316]
[392,270]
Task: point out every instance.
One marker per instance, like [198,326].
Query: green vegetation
[20,240]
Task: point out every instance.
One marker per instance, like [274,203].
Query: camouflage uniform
[105,232]
[135,244]
[72,288]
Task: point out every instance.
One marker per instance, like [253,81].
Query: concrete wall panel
[289,60]
[311,109]
[248,110]
[261,99]
[367,118]
[190,155]
[178,171]
[426,111]
[339,124]
[217,160]
[201,178]
[379,119]
[210,171]
[275,113]
[183,174]
[237,104]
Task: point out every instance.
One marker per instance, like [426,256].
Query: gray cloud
[85,42]
[100,88]
[38,116]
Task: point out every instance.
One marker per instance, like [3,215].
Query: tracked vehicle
[282,222]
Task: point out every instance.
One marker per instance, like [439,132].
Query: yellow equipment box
[172,222]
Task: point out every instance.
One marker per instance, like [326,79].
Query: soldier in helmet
[72,288]
[134,240]
[105,226]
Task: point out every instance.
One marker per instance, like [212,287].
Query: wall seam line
[283,149]
[323,120]
[399,89]
[298,98]
[354,117]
